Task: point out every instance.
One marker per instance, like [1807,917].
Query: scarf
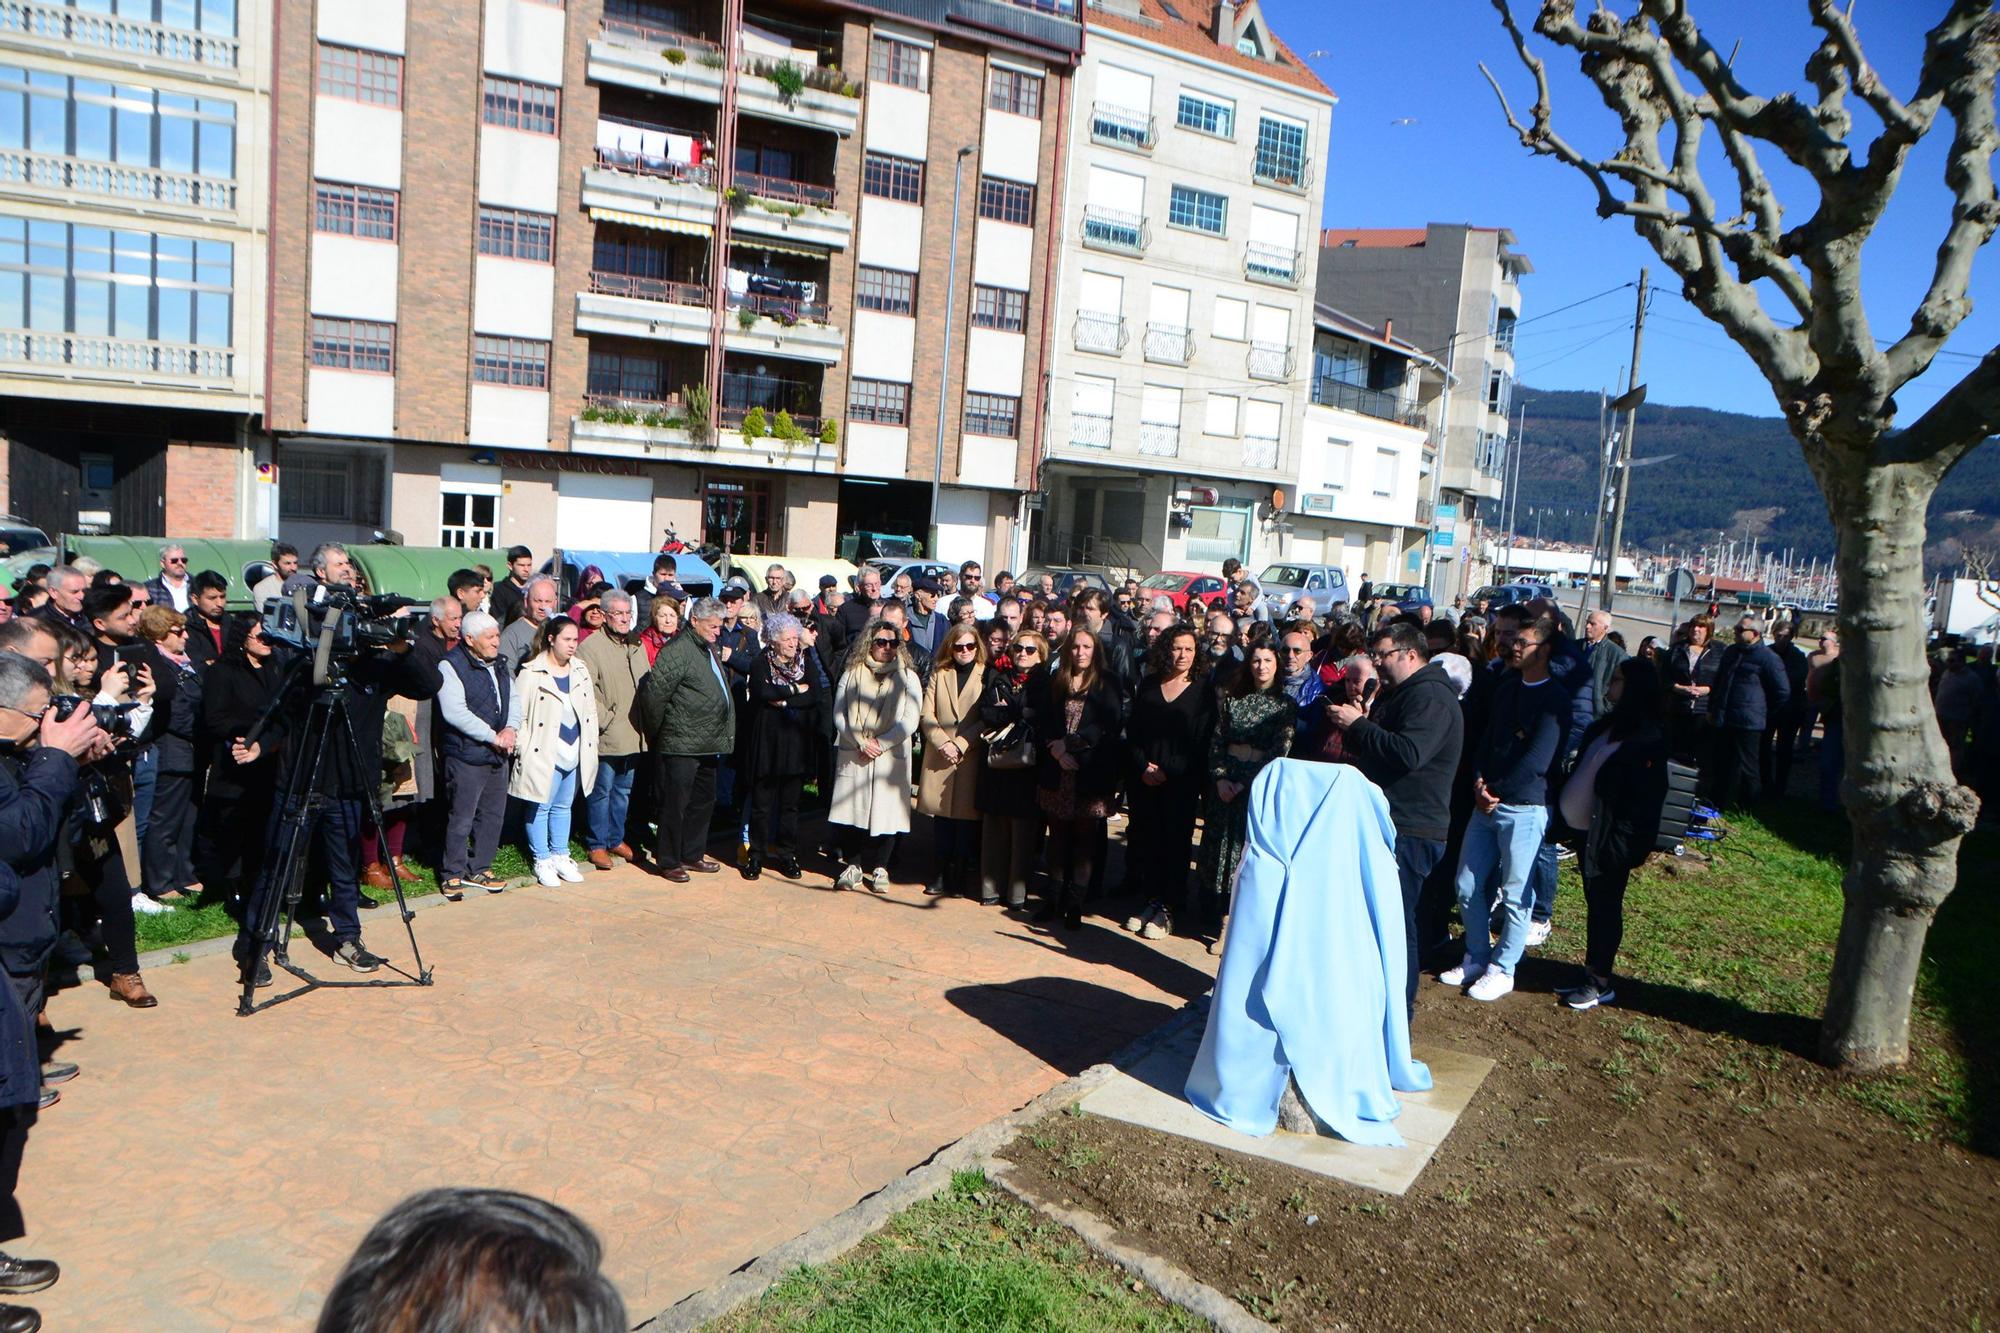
[783,673]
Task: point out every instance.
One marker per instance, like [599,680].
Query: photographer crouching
[39,752]
[369,672]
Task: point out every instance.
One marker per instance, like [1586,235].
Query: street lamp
[944,359]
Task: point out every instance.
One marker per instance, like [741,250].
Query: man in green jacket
[692,718]
[617,662]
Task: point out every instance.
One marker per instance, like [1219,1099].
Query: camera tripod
[274,906]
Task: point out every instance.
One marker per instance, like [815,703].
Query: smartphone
[1368,689]
[131,654]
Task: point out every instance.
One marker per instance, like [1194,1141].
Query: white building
[1184,319]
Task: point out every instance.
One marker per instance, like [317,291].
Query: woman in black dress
[242,779]
[1166,759]
[1076,722]
[1010,819]
[782,751]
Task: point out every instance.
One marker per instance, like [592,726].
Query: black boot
[1072,911]
[939,885]
[1051,905]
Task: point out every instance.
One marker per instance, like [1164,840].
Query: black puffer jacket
[1410,748]
[1626,800]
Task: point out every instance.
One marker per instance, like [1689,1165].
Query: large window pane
[177,144]
[93,132]
[134,306]
[211,319]
[47,303]
[93,307]
[176,315]
[48,127]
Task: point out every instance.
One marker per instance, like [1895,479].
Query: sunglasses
[885,643]
[177,560]
[1027,650]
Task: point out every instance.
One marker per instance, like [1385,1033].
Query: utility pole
[1511,470]
[1597,526]
[1624,477]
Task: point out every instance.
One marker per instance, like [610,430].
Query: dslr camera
[115,719]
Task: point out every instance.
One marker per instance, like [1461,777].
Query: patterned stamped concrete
[699,1071]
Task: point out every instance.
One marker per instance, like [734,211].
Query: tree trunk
[1908,812]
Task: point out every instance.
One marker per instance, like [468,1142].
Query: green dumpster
[422,572]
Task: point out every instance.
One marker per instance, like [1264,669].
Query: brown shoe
[705,866]
[600,858]
[676,874]
[131,988]
[404,873]
[375,875]
[624,849]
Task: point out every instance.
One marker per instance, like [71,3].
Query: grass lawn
[970,1259]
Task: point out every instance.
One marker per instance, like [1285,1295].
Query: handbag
[1010,748]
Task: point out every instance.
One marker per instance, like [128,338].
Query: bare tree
[1835,382]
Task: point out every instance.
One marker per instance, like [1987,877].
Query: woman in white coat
[554,714]
[875,707]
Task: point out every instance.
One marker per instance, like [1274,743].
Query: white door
[598,513]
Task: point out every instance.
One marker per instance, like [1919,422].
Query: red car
[1179,585]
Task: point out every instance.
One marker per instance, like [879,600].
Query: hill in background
[1731,474]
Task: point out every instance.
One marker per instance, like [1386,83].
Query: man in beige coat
[617,663]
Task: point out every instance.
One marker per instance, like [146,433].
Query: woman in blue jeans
[554,713]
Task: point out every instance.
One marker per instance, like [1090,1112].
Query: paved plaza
[700,1072]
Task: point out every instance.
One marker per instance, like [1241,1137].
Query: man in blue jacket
[1750,691]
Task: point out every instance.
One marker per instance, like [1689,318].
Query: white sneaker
[850,878]
[145,906]
[1159,924]
[566,870]
[545,873]
[1538,933]
[1459,975]
[1491,985]
[1138,919]
[878,880]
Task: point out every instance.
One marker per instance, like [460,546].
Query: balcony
[789,211]
[692,68]
[1099,333]
[678,197]
[781,326]
[34,174]
[1382,403]
[648,429]
[87,356]
[1110,229]
[1122,127]
[642,36]
[1259,452]
[642,307]
[117,40]
[1281,172]
[1272,264]
[1160,439]
[1090,430]
[1169,344]
[1268,361]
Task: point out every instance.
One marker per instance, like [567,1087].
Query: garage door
[597,513]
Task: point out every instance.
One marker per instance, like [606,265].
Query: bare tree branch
[1968,413]
[1845,45]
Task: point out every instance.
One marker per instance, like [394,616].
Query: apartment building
[568,274]
[133,220]
[1453,290]
[1360,496]
[1184,322]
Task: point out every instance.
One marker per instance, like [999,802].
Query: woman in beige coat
[553,711]
[952,755]
[876,708]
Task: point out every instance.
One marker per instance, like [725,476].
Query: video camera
[115,719]
[360,623]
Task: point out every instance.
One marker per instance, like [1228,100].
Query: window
[896,178]
[512,104]
[885,289]
[331,486]
[469,517]
[1281,151]
[1339,458]
[992,414]
[58,277]
[883,402]
[510,233]
[999,308]
[1220,418]
[1006,201]
[56,115]
[1197,209]
[897,62]
[1232,318]
[354,344]
[1385,472]
[361,76]
[1499,392]
[519,363]
[628,375]
[1016,91]
[354,210]
[1206,115]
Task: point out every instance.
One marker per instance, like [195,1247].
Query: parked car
[1069,580]
[1180,587]
[916,569]
[1406,596]
[1507,594]
[1285,584]
[18,535]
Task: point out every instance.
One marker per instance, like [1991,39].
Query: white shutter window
[1119,191]
[1385,471]
[1272,326]
[1126,89]
[1338,453]
[1101,294]
[1161,405]
[1274,227]
[1170,306]
[1220,418]
[1092,394]
[1261,418]
[1231,318]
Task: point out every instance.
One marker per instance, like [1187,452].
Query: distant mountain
[1731,473]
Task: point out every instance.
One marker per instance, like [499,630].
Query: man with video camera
[370,673]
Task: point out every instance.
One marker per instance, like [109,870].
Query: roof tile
[1167,27]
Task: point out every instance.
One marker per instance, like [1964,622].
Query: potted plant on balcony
[673,55]
[698,418]
[787,430]
[829,431]
[746,318]
[755,424]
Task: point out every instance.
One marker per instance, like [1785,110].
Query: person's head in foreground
[475,1261]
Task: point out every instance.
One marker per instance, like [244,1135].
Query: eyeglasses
[885,643]
[966,647]
[177,560]
[1298,651]
[1027,650]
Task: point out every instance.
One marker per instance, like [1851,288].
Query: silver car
[1284,584]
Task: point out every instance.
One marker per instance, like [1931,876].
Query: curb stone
[848,1228]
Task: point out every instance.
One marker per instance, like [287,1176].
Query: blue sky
[1458,162]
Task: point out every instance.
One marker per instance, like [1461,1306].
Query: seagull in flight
[1404,120]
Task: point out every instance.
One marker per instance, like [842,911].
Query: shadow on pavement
[1065,1023]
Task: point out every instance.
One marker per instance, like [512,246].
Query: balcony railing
[1424,510]
[121,36]
[1330,392]
[1122,127]
[643,36]
[1160,439]
[1171,344]
[785,191]
[1269,361]
[784,309]
[120,356]
[652,164]
[1090,430]
[1271,169]
[649,289]
[1110,229]
[1100,333]
[1270,263]
[140,184]
[623,410]
[1259,452]
[732,414]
